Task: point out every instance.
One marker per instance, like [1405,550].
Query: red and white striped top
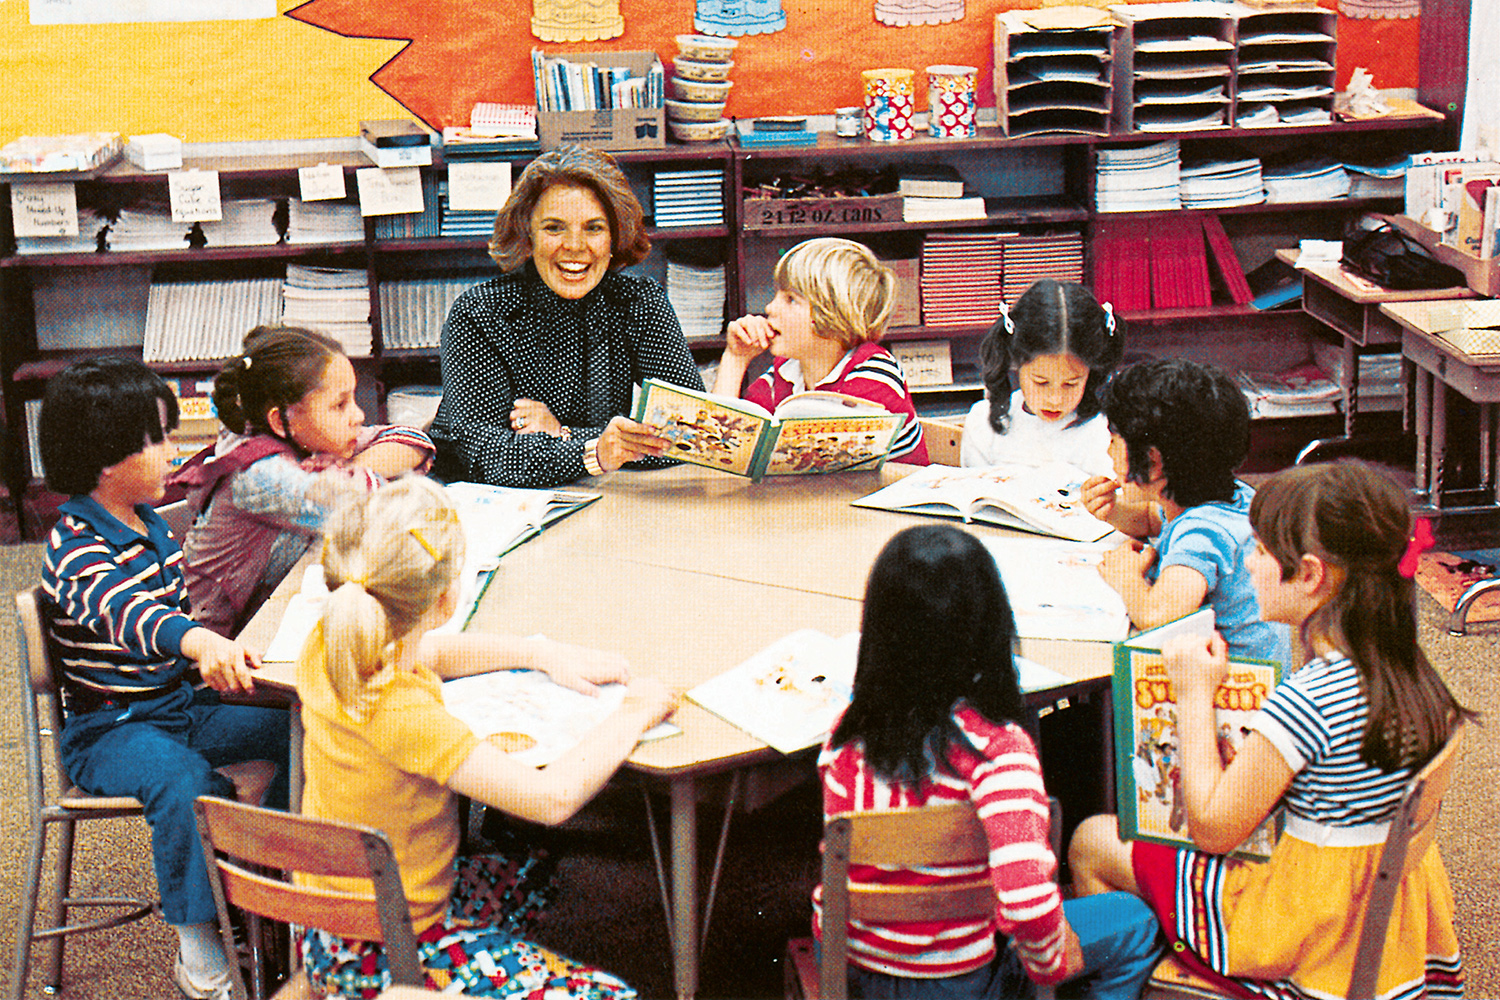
[1004,782]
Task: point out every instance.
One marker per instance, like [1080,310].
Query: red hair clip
[1420,541]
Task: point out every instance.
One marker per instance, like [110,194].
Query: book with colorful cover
[1047,499]
[809,432]
[1148,785]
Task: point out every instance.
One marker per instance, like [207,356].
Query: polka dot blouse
[514,338]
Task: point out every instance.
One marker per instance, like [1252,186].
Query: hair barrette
[417,534]
[1109,318]
[247,360]
[1005,321]
[1418,542]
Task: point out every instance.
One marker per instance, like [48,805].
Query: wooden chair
[55,801]
[934,835]
[1413,830]
[252,853]
[943,441]
[179,517]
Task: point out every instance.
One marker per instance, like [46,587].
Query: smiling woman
[538,364]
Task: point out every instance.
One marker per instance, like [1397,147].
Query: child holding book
[1057,345]
[137,721]
[1334,745]
[1178,430]
[934,719]
[294,443]
[823,326]
[382,750]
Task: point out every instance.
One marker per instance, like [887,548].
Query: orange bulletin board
[319,67]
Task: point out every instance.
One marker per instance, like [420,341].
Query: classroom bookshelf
[1032,185]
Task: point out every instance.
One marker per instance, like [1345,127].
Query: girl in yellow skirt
[1333,746]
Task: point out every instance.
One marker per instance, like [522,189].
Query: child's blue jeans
[1121,945]
[163,751]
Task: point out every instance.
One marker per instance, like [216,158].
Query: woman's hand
[624,440]
[579,667]
[1196,665]
[528,416]
[224,663]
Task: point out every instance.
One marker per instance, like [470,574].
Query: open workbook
[1046,498]
[1148,788]
[809,432]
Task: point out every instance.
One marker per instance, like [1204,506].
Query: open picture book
[810,432]
[1148,787]
[1047,498]
[1055,589]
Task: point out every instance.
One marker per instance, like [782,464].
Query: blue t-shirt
[1214,539]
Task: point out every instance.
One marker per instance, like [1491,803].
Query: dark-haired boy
[116,604]
[1178,430]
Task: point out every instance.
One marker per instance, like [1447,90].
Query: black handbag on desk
[1394,260]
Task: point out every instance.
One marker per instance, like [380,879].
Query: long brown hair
[1356,520]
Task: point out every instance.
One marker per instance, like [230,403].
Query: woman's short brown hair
[574,166]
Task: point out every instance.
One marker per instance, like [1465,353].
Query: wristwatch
[591,458]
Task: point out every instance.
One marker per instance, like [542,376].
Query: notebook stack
[205,320]
[90,227]
[688,198]
[1026,260]
[323,222]
[246,222]
[463,224]
[412,310]
[961,277]
[414,225]
[1301,391]
[1314,180]
[332,301]
[146,227]
[1222,183]
[697,297]
[1139,178]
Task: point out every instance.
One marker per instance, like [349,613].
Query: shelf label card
[925,362]
[389,191]
[194,195]
[325,182]
[44,209]
[478,187]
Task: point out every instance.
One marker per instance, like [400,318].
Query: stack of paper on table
[790,695]
[1046,499]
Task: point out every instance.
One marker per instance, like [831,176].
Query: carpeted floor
[609,910]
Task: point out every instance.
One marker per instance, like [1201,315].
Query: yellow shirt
[391,773]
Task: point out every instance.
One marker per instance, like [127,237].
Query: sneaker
[221,989]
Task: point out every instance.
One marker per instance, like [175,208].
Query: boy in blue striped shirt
[141,680]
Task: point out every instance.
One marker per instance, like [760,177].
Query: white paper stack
[412,310]
[205,320]
[1380,384]
[463,223]
[1222,183]
[323,222]
[246,222]
[1315,180]
[332,301]
[147,226]
[961,277]
[1303,391]
[697,296]
[1139,178]
[90,225]
[688,198]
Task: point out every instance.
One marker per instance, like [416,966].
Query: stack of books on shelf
[323,222]
[1139,178]
[412,310]
[90,228]
[463,223]
[1304,390]
[1026,260]
[961,277]
[687,198]
[1377,180]
[146,226]
[206,320]
[935,193]
[495,131]
[246,222]
[696,293]
[1053,71]
[415,225]
[1308,180]
[333,301]
[1175,65]
[1222,183]
[760,133]
[1380,383]
[1160,264]
[563,85]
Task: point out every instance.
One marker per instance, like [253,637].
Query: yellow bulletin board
[317,68]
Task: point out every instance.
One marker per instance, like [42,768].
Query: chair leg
[1458,618]
[60,904]
[31,887]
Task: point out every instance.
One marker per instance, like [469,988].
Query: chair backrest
[943,441]
[237,836]
[933,835]
[1412,832]
[41,713]
[179,517]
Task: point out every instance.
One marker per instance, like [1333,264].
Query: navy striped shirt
[1316,719]
[117,600]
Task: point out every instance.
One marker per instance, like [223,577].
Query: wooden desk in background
[689,572]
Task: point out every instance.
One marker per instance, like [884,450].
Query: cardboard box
[907,309]
[619,129]
[157,151]
[1481,275]
[791,214]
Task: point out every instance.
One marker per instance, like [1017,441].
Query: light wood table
[689,572]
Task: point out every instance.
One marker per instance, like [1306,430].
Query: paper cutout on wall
[576,20]
[906,13]
[1380,8]
[739,17]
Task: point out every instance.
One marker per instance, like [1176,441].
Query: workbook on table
[1046,498]
[1055,589]
[810,432]
[1148,787]
[530,716]
[790,695]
